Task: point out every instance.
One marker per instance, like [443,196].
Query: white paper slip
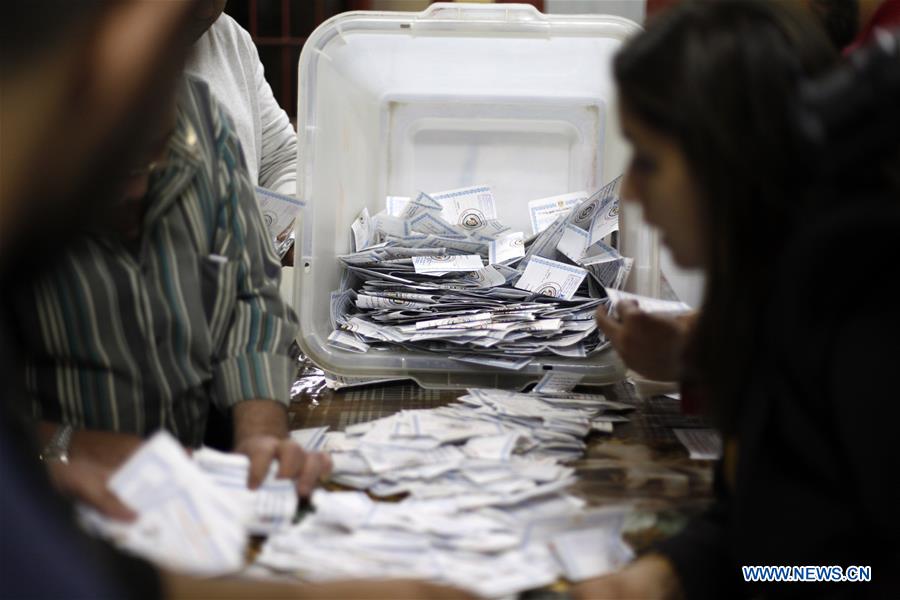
[506,248]
[546,210]
[455,322]
[429,222]
[278,210]
[609,418]
[487,232]
[605,220]
[377,302]
[601,426]
[701,444]
[310,439]
[558,381]
[586,553]
[647,304]
[447,264]
[333,381]
[551,278]
[470,208]
[599,252]
[486,278]
[362,231]
[574,242]
[347,341]
[513,364]
[394,205]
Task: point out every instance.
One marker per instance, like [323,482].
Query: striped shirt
[133,340]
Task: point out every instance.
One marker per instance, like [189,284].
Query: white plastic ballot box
[393,103]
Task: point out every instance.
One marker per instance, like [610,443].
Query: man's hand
[649,578]
[260,432]
[103,448]
[85,480]
[305,468]
[650,344]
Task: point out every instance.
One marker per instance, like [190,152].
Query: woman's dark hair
[718,78]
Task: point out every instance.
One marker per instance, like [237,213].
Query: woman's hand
[651,577]
[649,344]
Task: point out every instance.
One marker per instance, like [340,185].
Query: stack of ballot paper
[184,521]
[441,273]
[484,506]
[311,439]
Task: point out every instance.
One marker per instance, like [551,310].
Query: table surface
[641,464]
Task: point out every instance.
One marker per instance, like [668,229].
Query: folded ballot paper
[194,513]
[442,273]
[472,494]
[278,213]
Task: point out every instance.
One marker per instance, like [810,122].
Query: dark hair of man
[718,79]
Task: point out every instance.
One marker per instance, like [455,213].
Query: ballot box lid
[394,103]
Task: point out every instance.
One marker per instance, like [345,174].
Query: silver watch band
[58,446]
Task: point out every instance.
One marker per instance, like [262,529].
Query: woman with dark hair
[808,475]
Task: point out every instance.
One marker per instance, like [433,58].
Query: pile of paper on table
[485,504]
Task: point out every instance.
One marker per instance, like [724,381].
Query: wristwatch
[58,446]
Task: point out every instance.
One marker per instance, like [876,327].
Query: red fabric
[886,16]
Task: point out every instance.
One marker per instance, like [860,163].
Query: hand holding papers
[651,341]
[194,515]
[274,503]
[184,522]
[649,305]
[278,212]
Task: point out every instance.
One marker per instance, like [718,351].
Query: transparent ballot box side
[394,103]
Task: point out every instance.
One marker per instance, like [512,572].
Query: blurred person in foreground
[707,96]
[167,306]
[85,78]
